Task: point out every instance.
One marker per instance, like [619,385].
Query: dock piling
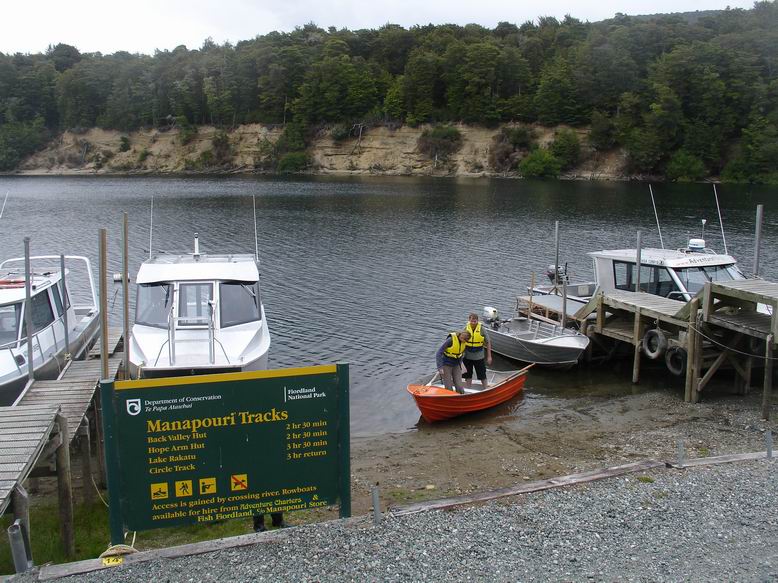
[767,393]
[65,490]
[28,304]
[681,453]
[758,237]
[376,506]
[20,552]
[638,335]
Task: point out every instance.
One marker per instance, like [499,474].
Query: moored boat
[198,313]
[436,403]
[61,328]
[535,341]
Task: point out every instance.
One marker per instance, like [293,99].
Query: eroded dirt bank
[378,151]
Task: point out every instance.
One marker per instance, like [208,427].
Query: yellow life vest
[476,338]
[457,348]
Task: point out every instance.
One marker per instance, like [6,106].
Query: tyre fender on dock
[675,359]
[654,343]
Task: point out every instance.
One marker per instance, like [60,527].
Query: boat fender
[675,359]
[654,343]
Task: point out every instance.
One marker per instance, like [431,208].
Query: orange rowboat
[437,403]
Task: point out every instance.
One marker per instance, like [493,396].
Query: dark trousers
[276,519]
[480,369]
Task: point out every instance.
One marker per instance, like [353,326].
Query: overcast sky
[141,26]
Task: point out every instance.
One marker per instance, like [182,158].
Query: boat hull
[552,347]
[153,373]
[436,403]
[13,383]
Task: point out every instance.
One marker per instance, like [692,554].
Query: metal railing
[173,322]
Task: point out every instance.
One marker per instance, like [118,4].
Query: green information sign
[205,448]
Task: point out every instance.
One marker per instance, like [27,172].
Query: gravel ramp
[717,523]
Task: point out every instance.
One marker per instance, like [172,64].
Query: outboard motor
[491,314]
[561,273]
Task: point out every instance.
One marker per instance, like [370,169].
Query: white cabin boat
[198,313]
[677,274]
[51,310]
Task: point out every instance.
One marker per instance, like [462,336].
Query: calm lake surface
[376,271]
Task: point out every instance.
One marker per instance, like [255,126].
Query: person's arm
[439,353]
[488,350]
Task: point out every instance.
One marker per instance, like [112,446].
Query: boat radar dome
[697,245]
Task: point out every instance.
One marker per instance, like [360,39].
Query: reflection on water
[374,272]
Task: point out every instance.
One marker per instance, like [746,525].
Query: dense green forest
[686,96]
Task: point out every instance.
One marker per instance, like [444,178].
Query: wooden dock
[31,433]
[45,420]
[722,324]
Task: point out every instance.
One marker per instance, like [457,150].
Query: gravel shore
[698,524]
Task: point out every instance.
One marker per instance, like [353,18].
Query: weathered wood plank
[48,572]
[537,486]
[720,459]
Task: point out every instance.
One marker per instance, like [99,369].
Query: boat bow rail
[79,258]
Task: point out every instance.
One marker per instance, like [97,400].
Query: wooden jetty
[45,421]
[725,323]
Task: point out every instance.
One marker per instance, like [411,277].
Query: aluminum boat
[535,341]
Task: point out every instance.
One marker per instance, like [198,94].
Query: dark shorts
[480,369]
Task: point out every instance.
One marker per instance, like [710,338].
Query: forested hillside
[685,96]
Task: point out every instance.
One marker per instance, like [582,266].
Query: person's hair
[466,333]
[472,315]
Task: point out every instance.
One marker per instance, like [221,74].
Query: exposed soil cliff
[379,150]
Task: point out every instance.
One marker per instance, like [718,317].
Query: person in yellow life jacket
[478,352]
[449,360]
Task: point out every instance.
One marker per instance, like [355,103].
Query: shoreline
[337,175]
[564,437]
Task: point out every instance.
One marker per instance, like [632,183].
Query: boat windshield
[193,303]
[653,279]
[695,278]
[10,315]
[154,303]
[239,303]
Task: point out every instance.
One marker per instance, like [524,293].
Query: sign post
[206,448]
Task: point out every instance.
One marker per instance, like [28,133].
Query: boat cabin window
[694,278]
[57,300]
[193,303]
[10,315]
[653,279]
[42,314]
[239,303]
[63,292]
[154,303]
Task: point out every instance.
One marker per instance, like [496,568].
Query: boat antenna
[151,224]
[658,228]
[703,228]
[5,200]
[721,223]
[256,242]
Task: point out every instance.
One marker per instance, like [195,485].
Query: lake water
[376,271]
